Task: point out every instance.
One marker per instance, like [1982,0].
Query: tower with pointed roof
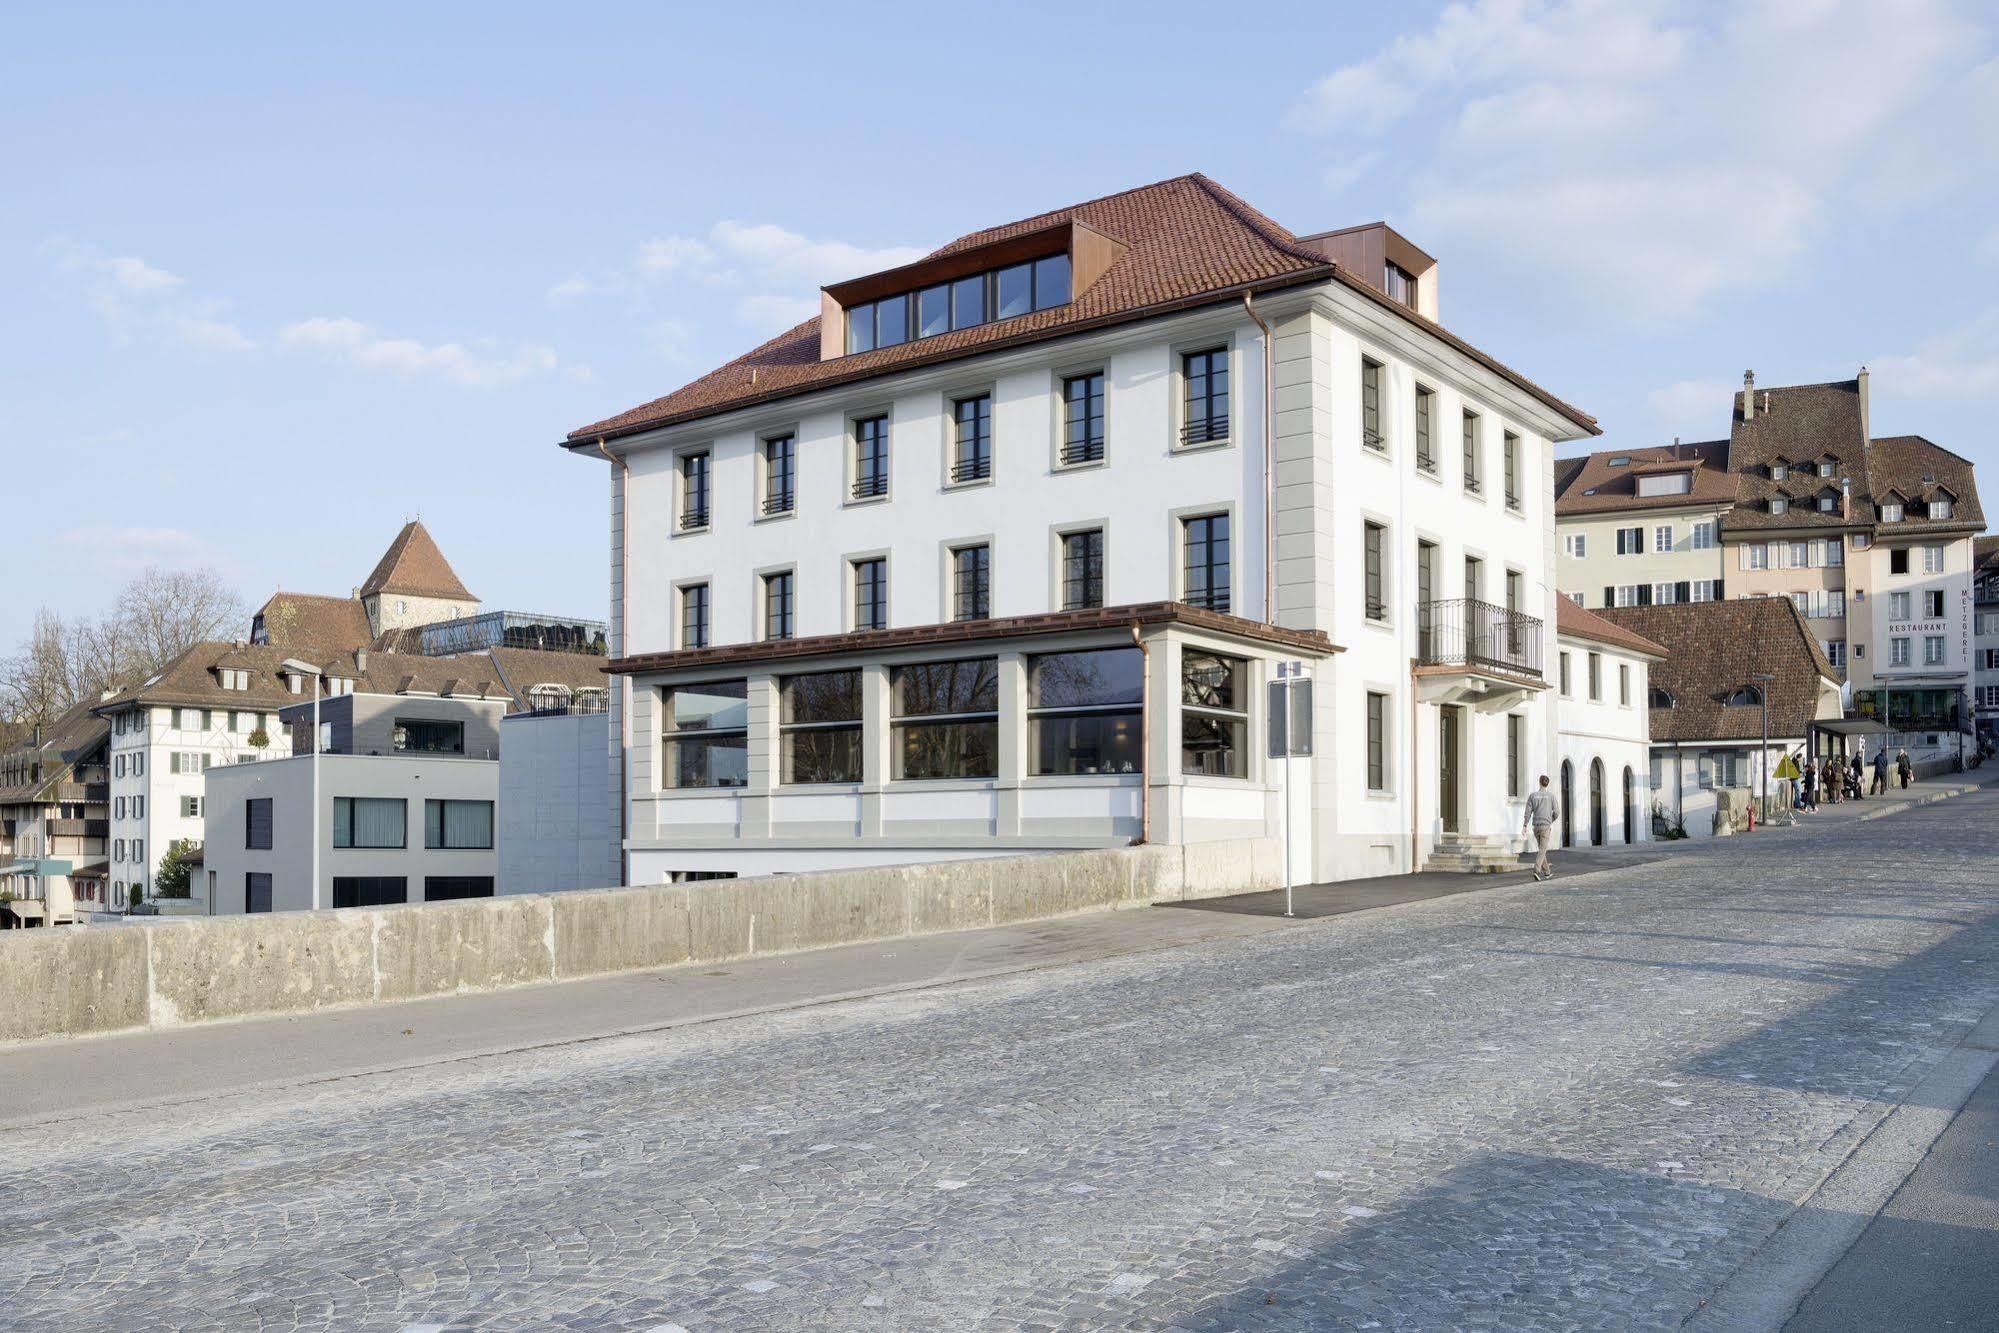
[413,584]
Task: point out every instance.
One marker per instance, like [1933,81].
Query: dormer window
[234,678]
[1891,511]
[1941,507]
[1399,283]
[1779,471]
[1000,293]
[1661,698]
[1778,504]
[1826,503]
[1825,467]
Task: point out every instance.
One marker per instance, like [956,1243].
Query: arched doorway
[1596,837]
[1568,804]
[1630,806]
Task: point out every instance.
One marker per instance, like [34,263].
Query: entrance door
[1568,804]
[1630,807]
[1447,768]
[1596,831]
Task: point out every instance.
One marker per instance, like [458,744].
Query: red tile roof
[1597,485]
[1188,242]
[1715,648]
[414,567]
[1572,621]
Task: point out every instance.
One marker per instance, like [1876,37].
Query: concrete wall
[76,981]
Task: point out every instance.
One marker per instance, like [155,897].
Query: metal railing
[1202,430]
[691,519]
[972,469]
[1464,631]
[869,487]
[1083,451]
[779,503]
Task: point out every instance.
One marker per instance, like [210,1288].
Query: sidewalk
[1893,801]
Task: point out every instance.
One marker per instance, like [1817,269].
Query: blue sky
[275,279]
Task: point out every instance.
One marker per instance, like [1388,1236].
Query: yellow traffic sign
[1788,769]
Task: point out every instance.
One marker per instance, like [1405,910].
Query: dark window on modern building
[694,490]
[1377,741]
[1083,418]
[1370,404]
[257,824]
[1000,293]
[1082,569]
[870,457]
[1084,712]
[780,474]
[1206,375]
[1204,543]
[1399,283]
[370,890]
[427,735]
[256,892]
[370,821]
[694,616]
[871,593]
[1214,714]
[706,734]
[945,721]
[819,733]
[458,825]
[1372,537]
[972,444]
[971,582]
[444,888]
[778,605]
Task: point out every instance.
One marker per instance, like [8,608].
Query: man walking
[1880,787]
[1542,811]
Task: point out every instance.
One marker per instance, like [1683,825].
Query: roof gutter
[1269,496]
[624,478]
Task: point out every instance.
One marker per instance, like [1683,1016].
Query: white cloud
[775,314]
[1339,175]
[1960,363]
[1649,157]
[352,341]
[140,302]
[124,552]
[665,256]
[1695,409]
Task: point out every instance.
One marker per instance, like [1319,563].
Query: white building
[1985,637]
[1603,780]
[1002,551]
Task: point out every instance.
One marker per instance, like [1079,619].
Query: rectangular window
[1704,535]
[1631,541]
[1898,606]
[778,606]
[693,491]
[1624,684]
[1206,377]
[1014,288]
[1898,560]
[1398,283]
[871,593]
[1473,481]
[1370,404]
[370,821]
[1214,714]
[1084,712]
[1835,652]
[1891,512]
[1204,547]
[1662,538]
[1932,604]
[256,892]
[1758,555]
[1575,545]
[946,719]
[1377,741]
[1082,569]
[971,582]
[190,807]
[1933,560]
[447,888]
[706,736]
[1596,677]
[257,824]
[423,735]
[694,616]
[933,311]
[1512,459]
[1516,754]
[1426,443]
[450,825]
[870,458]
[1898,652]
[1051,282]
[370,890]
[819,733]
[972,445]
[968,301]
[1372,535]
[892,320]
[1933,650]
[780,474]
[1083,418]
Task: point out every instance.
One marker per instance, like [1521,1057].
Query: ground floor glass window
[1085,712]
[946,719]
[1214,714]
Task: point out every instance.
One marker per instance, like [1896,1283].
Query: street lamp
[1763,679]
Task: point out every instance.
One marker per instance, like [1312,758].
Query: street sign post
[1289,732]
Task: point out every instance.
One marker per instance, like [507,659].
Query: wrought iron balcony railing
[1465,631]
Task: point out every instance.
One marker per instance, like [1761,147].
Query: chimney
[1749,395]
[1866,429]
[1846,497]
[361,661]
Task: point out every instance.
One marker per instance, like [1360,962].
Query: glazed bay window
[819,732]
[1370,404]
[694,616]
[1082,569]
[972,439]
[1002,293]
[1085,712]
[706,737]
[945,721]
[870,458]
[1214,715]
[971,582]
[779,605]
[370,821]
[425,735]
[458,825]
[1083,418]
[780,474]
[1205,376]
[1204,549]
[694,491]
[871,593]
[1426,442]
[1473,472]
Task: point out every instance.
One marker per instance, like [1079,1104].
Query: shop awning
[1852,726]
[39,869]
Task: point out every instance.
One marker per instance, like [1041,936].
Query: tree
[176,869]
[163,613]
[36,686]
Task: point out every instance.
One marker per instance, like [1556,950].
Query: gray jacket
[1542,807]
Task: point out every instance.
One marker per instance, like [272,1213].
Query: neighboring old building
[55,818]
[1603,677]
[1985,637]
[1000,552]
[1707,699]
[1641,527]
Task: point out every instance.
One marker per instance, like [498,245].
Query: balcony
[1469,650]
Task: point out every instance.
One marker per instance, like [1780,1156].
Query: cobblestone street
[1581,1104]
